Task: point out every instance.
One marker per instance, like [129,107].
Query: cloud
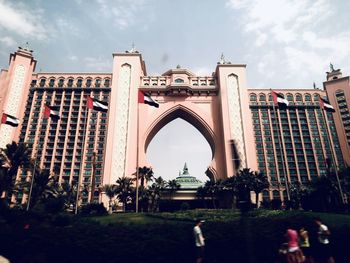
[124,13]
[294,37]
[8,41]
[17,19]
[73,58]
[98,64]
[203,71]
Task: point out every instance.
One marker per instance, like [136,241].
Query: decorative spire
[133,49]
[26,48]
[185,170]
[331,68]
[178,66]
[314,84]
[222,59]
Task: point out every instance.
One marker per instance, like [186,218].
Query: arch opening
[177,142]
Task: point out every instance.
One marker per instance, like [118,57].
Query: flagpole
[32,181]
[281,151]
[333,156]
[137,160]
[33,173]
[82,160]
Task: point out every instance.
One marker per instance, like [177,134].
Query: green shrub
[93,209]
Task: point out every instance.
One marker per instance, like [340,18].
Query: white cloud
[295,37]
[99,64]
[17,19]
[73,58]
[64,25]
[203,71]
[124,13]
[8,41]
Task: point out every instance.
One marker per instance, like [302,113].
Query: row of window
[71,82]
[290,97]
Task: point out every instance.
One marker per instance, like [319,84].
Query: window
[51,83]
[97,83]
[88,83]
[262,97]
[252,97]
[107,83]
[70,83]
[79,83]
[179,81]
[60,83]
[42,82]
[307,97]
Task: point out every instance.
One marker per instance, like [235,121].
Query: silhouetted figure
[323,249]
[199,240]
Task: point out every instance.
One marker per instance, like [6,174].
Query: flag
[50,112]
[325,105]
[96,104]
[144,98]
[10,120]
[279,100]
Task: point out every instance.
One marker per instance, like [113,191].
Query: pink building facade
[239,123]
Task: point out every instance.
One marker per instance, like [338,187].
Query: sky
[285,44]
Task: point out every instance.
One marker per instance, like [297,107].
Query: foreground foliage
[160,237]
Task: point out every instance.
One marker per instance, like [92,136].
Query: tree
[173,186]
[124,190]
[110,190]
[12,158]
[145,175]
[213,189]
[259,184]
[155,192]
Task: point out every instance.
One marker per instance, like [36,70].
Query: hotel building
[293,144]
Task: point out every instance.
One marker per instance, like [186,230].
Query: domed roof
[187,181]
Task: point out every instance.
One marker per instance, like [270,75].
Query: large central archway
[216,105]
[188,115]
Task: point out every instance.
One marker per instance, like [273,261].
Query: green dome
[186,181]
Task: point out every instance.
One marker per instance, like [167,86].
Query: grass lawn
[165,237]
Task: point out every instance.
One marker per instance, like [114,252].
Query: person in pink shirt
[294,255]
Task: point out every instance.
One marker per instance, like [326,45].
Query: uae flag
[279,100]
[10,120]
[144,98]
[325,105]
[96,104]
[50,112]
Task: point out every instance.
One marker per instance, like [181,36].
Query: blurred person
[323,250]
[304,243]
[199,241]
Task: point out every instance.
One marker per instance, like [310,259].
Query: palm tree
[259,184]
[110,190]
[124,190]
[155,192]
[213,189]
[201,194]
[13,157]
[44,187]
[173,186]
[145,175]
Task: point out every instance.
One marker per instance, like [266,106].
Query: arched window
[42,83]
[79,83]
[88,83]
[289,97]
[270,97]
[252,97]
[51,83]
[107,83]
[179,81]
[97,83]
[70,83]
[316,97]
[262,97]
[60,83]
[298,97]
[307,97]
